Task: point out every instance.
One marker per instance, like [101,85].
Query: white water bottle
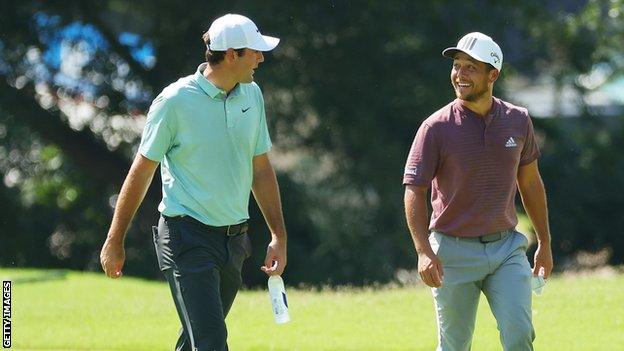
[277,294]
[538,282]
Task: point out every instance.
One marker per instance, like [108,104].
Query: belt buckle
[490,237]
[237,230]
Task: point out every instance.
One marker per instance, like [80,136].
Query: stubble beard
[472,97]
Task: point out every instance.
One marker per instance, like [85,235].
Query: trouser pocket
[436,240]
[188,247]
[163,245]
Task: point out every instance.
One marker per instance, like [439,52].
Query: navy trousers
[203,269]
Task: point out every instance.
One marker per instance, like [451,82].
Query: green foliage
[345,92]
[582,171]
[88,311]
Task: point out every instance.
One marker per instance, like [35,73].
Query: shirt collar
[209,88]
[206,85]
[487,118]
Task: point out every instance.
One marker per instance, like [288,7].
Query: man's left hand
[543,259]
[275,260]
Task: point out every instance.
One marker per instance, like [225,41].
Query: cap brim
[267,43]
[450,53]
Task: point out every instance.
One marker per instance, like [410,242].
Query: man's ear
[494,74]
[230,54]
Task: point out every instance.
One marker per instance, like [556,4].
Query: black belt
[229,230]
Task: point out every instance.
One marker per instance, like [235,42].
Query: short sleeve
[422,162]
[530,151]
[157,135]
[263,142]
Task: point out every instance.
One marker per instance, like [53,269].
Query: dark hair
[215,57]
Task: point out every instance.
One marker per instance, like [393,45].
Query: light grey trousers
[500,269]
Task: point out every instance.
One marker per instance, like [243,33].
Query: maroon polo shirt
[471,163]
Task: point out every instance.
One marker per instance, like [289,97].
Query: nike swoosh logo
[245,109]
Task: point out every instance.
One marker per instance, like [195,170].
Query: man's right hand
[112,258]
[132,192]
[430,269]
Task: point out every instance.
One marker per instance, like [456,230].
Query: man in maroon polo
[474,153]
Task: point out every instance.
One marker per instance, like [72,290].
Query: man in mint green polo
[208,131]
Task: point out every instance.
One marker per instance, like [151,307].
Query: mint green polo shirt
[205,142]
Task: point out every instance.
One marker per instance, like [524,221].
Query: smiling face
[472,80]
[245,65]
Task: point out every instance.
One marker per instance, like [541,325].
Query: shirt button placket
[228,113]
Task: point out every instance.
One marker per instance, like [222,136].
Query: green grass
[86,311]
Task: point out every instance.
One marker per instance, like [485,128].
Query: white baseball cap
[238,32]
[478,46]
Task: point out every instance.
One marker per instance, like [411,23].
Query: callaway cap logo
[496,58]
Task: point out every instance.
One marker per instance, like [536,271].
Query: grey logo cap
[478,46]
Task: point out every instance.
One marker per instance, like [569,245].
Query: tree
[346,90]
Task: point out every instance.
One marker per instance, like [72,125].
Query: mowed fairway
[86,311]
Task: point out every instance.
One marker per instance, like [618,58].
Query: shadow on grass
[42,276]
